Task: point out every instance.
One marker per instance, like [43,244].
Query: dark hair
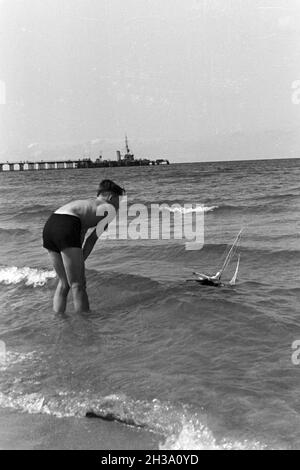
[108,186]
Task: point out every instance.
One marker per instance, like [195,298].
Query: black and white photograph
[149,227]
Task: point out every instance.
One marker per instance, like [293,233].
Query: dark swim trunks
[62,231]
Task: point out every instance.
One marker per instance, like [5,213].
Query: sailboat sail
[230,253]
[215,280]
[234,279]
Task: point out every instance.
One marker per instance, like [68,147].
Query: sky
[187,80]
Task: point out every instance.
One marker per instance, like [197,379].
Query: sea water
[201,367]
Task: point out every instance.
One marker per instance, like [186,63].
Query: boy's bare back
[85,210]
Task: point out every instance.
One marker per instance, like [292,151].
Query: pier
[128,159]
[76,164]
[34,166]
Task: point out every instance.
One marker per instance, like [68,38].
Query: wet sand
[20,431]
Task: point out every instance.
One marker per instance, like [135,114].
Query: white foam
[28,276]
[35,403]
[186,210]
[11,358]
[200,437]
[31,403]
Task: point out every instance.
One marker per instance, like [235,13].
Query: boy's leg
[63,288]
[74,267]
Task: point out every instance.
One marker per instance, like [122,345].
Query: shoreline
[23,431]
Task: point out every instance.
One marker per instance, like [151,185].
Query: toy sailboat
[216,280]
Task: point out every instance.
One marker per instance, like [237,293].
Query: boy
[63,236]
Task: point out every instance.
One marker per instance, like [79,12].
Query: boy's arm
[82,235]
[103,222]
[89,244]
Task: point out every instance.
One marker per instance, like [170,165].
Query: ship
[128,159]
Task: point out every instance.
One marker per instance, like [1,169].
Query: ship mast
[126,144]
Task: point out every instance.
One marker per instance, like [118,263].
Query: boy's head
[109,189]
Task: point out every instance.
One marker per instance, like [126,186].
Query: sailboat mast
[226,262]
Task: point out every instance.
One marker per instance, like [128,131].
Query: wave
[250,249]
[11,275]
[13,232]
[199,437]
[267,258]
[267,207]
[36,208]
[277,196]
[32,212]
[277,237]
[198,209]
[134,285]
[181,428]
[175,251]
